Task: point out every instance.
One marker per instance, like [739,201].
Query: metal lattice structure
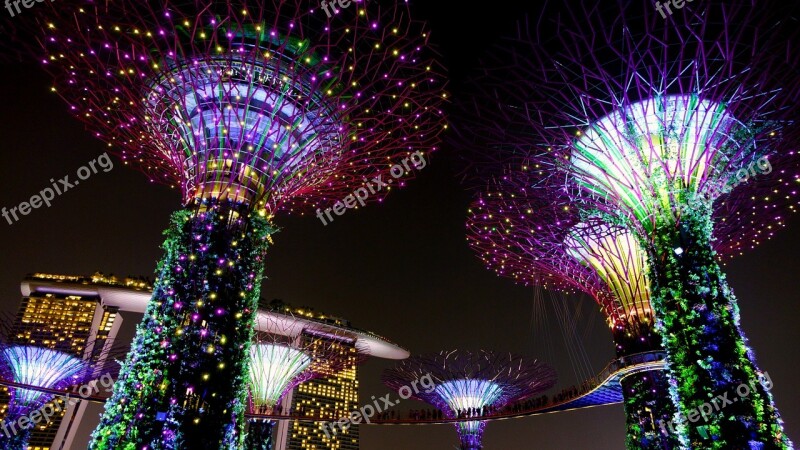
[249,109]
[41,367]
[36,374]
[543,242]
[639,117]
[472,381]
[265,103]
[678,130]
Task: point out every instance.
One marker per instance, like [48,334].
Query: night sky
[401,269]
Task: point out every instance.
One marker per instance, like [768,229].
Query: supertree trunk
[646,394]
[648,408]
[17,441]
[471,435]
[259,435]
[13,437]
[715,382]
[183,384]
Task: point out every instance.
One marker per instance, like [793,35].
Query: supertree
[249,109]
[542,241]
[288,353]
[38,372]
[648,121]
[470,383]
[39,367]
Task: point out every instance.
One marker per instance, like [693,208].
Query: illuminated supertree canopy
[288,354]
[273,371]
[649,124]
[546,243]
[470,383]
[265,104]
[249,109]
[273,368]
[39,368]
[546,240]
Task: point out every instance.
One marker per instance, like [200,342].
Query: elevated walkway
[606,390]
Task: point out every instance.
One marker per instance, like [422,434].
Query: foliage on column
[646,395]
[545,242]
[709,358]
[183,384]
[14,438]
[470,435]
[259,435]
[648,410]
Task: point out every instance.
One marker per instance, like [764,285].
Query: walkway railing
[607,379]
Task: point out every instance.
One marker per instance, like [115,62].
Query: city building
[332,397]
[68,313]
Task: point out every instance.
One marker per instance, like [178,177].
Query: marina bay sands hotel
[84,309]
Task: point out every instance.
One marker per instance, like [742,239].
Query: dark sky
[401,269]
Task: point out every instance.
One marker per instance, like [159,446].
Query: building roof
[133,295]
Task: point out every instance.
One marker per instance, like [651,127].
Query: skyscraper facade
[332,396]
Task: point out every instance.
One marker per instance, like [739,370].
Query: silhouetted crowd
[532,404]
[433,414]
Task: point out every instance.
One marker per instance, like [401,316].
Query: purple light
[471,380]
[40,367]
